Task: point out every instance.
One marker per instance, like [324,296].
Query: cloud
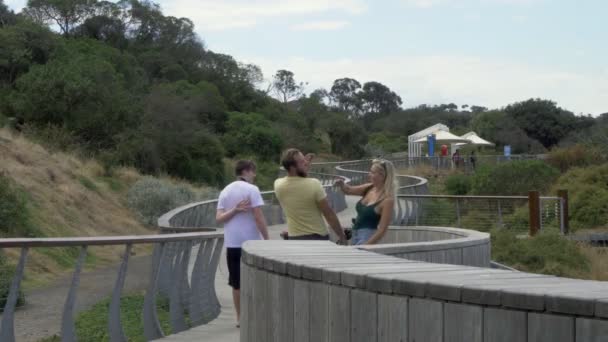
[459,79]
[424,3]
[231,14]
[320,26]
[435,3]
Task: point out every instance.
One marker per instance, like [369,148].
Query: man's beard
[302,173]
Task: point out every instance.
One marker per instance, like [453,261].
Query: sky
[478,52]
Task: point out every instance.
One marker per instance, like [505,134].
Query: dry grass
[69,197]
[598,259]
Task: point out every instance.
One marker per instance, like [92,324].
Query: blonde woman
[375,209]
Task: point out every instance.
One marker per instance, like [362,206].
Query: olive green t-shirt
[299,198]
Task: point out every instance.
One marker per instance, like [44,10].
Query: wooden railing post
[564,223]
[534,210]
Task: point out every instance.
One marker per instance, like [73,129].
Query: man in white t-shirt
[239,208]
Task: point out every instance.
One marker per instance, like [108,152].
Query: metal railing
[480,212]
[191,297]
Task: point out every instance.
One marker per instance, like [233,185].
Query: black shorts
[233,257]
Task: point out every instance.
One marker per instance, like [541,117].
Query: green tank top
[367,217]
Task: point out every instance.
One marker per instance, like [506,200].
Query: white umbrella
[445,138]
[475,140]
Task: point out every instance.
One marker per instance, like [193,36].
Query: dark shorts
[233,257]
[310,237]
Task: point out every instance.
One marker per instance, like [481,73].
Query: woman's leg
[360,236]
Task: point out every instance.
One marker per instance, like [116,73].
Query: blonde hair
[389,189]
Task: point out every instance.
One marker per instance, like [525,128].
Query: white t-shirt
[241,227]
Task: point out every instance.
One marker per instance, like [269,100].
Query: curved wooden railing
[317,291]
[193,294]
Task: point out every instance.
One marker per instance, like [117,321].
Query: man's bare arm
[260,222]
[331,218]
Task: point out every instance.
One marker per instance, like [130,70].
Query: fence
[517,213]
[191,299]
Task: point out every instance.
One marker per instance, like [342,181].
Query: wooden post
[564,224]
[534,209]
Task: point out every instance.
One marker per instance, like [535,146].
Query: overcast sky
[483,52]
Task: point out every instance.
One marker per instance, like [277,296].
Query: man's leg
[233,256]
[236,296]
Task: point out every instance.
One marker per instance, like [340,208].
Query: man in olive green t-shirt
[304,201]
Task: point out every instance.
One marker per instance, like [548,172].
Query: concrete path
[223,328]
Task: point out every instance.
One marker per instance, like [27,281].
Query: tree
[106,29]
[285,86]
[81,92]
[7,17]
[23,45]
[542,120]
[64,13]
[344,93]
[172,139]
[251,134]
[204,101]
[312,109]
[347,137]
[235,81]
[499,128]
[378,98]
[478,109]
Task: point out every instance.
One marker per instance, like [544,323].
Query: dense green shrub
[251,133]
[547,253]
[80,90]
[6,276]
[589,207]
[387,142]
[513,178]
[588,195]
[151,197]
[438,212]
[15,215]
[458,184]
[480,220]
[575,156]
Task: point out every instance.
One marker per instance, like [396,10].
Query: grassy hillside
[67,196]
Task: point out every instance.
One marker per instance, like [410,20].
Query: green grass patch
[92,325]
[113,183]
[66,256]
[15,211]
[87,183]
[546,253]
[7,273]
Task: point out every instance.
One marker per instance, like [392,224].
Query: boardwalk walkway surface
[223,328]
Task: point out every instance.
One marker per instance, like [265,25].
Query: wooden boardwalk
[223,328]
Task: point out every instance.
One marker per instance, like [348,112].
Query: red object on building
[444,150]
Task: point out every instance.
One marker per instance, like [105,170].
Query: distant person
[239,208]
[304,201]
[456,158]
[375,209]
[472,159]
[444,155]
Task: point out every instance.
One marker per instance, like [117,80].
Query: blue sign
[507,150]
[431,142]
